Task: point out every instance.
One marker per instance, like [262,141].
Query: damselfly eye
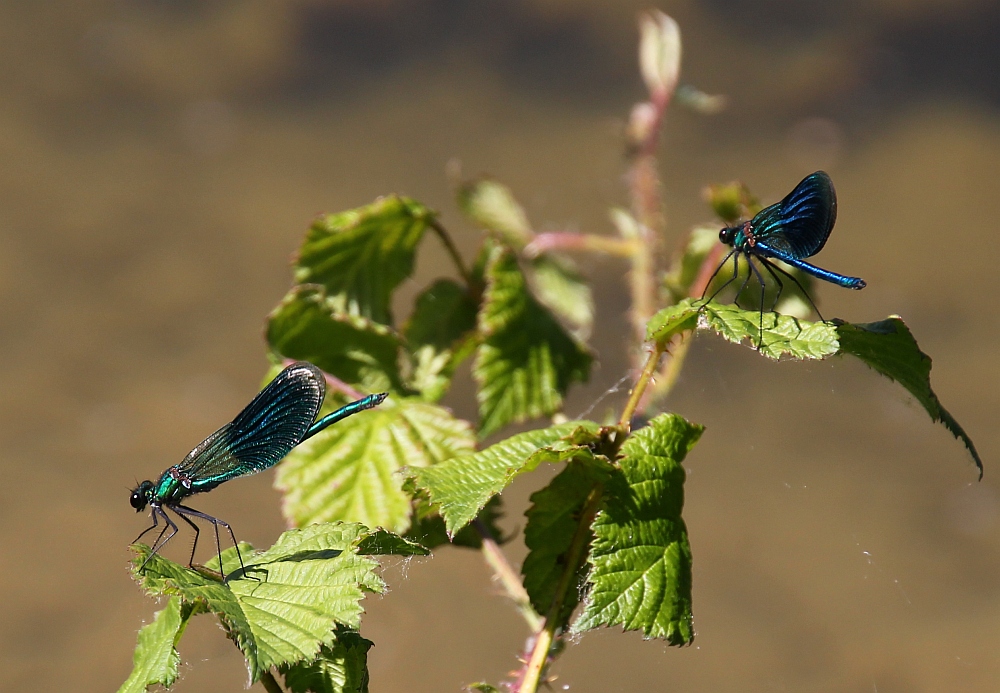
[140,496]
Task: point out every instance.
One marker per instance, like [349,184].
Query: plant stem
[270,683]
[643,285]
[708,266]
[504,572]
[574,558]
[449,245]
[667,377]
[565,240]
[647,208]
[640,385]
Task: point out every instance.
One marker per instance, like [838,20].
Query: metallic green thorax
[739,237]
[172,486]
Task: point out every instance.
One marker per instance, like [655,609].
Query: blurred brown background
[159,162]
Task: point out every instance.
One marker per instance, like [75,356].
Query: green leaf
[461,487]
[552,524]
[673,320]
[292,596]
[698,101]
[428,528]
[310,326]
[888,347]
[483,255]
[440,334]
[732,202]
[341,668]
[363,254]
[444,312]
[628,226]
[492,206]
[526,361]
[351,471]
[482,687]
[489,517]
[782,334]
[640,559]
[659,52]
[156,660]
[382,543]
[578,444]
[561,288]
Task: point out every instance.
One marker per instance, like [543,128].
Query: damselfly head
[727,234]
[141,496]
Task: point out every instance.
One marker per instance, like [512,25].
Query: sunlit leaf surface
[887,346]
[310,326]
[440,334]
[640,559]
[289,601]
[353,471]
[561,287]
[462,486]
[363,254]
[340,668]
[553,521]
[155,660]
[491,205]
[527,360]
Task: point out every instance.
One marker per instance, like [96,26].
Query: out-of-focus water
[159,162]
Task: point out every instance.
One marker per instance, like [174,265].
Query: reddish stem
[708,267]
[567,240]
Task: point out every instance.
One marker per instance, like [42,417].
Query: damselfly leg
[161,541]
[185,510]
[760,280]
[736,272]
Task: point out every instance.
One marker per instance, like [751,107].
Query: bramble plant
[607,544]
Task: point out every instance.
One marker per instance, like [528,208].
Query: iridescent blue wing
[274,422]
[800,224]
